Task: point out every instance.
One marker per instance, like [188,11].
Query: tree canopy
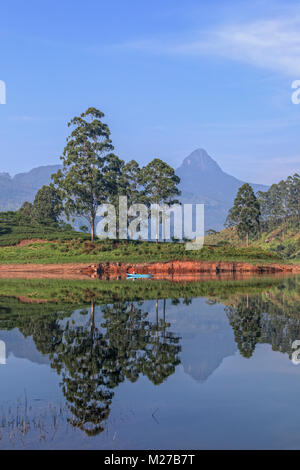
[90,170]
[245,213]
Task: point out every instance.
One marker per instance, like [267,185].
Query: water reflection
[93,358]
[96,348]
[272,317]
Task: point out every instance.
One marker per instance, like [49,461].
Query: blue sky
[170,76]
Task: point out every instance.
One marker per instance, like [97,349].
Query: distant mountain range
[23,186]
[202,181]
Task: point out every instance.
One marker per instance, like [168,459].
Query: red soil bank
[192,267]
[172,270]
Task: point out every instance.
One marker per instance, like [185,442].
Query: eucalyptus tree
[281,203]
[90,172]
[130,185]
[293,196]
[245,213]
[160,184]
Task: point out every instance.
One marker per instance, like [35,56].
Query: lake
[219,371]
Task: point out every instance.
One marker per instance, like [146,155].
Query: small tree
[90,170]
[245,213]
[25,213]
[47,205]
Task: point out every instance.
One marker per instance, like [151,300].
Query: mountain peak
[200,160]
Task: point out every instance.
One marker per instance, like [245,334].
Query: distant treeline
[281,203]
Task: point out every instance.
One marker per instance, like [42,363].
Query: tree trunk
[157,225]
[92,315]
[247,239]
[164,317]
[92,325]
[156,309]
[92,228]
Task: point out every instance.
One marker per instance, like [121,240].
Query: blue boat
[138,276]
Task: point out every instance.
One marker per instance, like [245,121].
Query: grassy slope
[12,234]
[80,251]
[72,247]
[283,240]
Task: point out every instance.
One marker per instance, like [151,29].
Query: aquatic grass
[26,423]
[83,292]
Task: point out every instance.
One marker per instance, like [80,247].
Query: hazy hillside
[23,186]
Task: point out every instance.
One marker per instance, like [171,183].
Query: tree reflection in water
[270,318]
[245,321]
[95,358]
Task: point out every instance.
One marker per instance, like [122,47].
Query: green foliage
[24,214]
[47,206]
[14,229]
[280,203]
[131,183]
[245,213]
[90,170]
[45,210]
[160,182]
[160,186]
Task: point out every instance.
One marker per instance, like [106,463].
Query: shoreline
[170,270]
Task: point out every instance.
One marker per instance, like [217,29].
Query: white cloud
[273,44]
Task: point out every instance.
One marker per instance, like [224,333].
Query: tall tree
[130,185]
[90,172]
[160,185]
[245,213]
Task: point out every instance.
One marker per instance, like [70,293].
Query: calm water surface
[198,373]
